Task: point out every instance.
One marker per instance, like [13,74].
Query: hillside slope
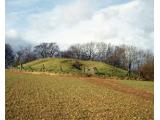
[59,65]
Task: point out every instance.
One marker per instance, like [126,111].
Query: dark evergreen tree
[9,56]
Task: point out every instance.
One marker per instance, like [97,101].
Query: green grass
[145,85]
[39,97]
[55,65]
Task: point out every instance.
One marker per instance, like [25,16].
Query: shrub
[100,73]
[77,65]
[148,71]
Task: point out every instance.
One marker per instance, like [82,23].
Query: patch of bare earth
[113,84]
[108,83]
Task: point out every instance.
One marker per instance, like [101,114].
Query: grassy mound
[59,65]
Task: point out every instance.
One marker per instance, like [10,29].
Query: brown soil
[110,83]
[115,85]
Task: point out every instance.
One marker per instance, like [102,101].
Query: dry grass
[144,85]
[46,97]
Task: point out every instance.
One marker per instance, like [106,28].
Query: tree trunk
[129,69]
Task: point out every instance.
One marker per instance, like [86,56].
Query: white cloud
[78,22]
[14,38]
[12,33]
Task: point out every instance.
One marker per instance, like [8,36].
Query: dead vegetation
[62,97]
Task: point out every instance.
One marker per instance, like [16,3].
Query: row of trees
[123,56]
[26,54]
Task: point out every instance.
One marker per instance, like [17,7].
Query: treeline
[130,58]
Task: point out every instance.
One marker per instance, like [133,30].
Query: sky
[68,22]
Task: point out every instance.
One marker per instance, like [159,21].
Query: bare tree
[45,50]
[130,53]
[76,51]
[25,55]
[66,54]
[139,61]
[53,49]
[148,66]
[41,50]
[90,50]
[109,53]
[101,51]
